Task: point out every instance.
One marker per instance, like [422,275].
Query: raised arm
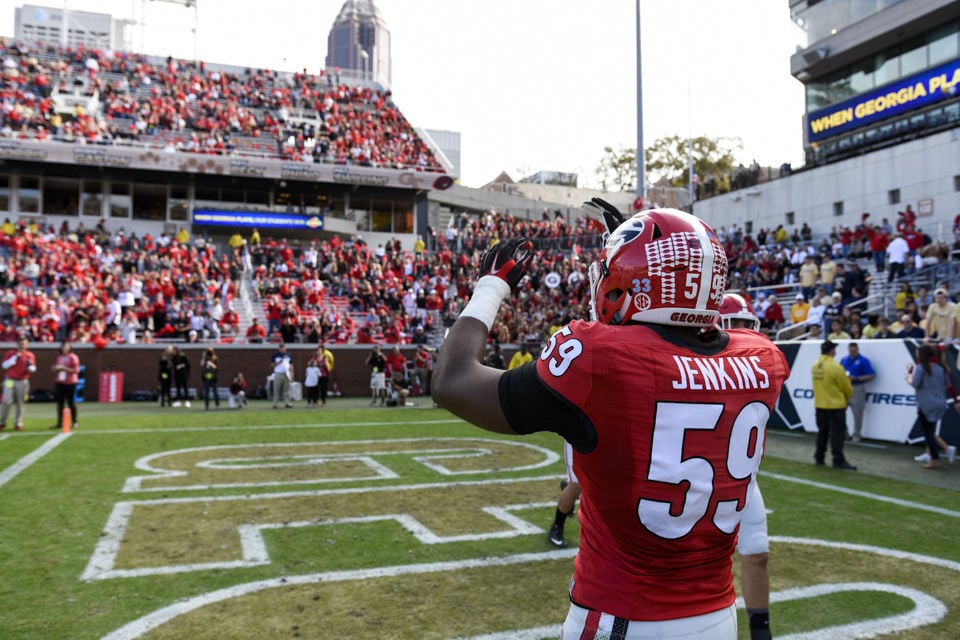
[462,384]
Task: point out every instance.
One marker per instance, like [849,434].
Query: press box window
[838,208]
[150,201]
[120,200]
[893,196]
[29,194]
[61,196]
[178,207]
[91,200]
[4,192]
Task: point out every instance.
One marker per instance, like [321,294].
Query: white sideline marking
[864,494]
[24,463]
[4,436]
[866,548]
[924,614]
[927,610]
[151,621]
[536,633]
[253,551]
[135,483]
[262,427]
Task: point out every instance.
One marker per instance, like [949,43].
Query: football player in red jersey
[667,421]
[753,544]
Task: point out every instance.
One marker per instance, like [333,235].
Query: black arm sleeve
[530,406]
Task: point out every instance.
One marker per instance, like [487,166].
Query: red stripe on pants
[590,626]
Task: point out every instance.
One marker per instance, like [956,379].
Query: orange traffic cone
[66,419]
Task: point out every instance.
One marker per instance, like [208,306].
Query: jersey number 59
[674,423]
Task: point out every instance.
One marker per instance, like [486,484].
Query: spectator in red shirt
[397,365]
[230,323]
[434,304]
[907,219]
[878,247]
[67,371]
[255,332]
[363,335]
[773,318]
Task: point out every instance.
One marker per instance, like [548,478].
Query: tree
[668,158]
[617,169]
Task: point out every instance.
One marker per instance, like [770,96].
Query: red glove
[507,260]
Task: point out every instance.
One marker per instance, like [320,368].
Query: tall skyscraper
[359,40]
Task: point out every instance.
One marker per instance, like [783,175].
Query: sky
[530,84]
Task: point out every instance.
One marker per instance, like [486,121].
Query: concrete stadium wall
[920,169]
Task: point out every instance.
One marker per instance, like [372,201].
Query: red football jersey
[679,436]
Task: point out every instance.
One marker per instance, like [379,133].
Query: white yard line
[261,427]
[24,463]
[151,621]
[864,494]
[927,610]
[253,550]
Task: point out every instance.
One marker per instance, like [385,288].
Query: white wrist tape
[485,302]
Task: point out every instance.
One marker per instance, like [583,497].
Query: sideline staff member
[860,371]
[831,392]
[18,365]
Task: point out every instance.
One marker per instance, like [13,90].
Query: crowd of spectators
[99,285]
[831,278]
[88,285]
[345,290]
[184,106]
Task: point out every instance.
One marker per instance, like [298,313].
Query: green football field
[359,522]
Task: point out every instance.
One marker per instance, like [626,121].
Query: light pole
[641,176]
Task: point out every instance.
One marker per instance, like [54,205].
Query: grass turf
[324,485]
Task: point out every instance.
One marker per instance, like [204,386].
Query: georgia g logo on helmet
[630,230]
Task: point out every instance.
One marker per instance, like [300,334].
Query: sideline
[24,463]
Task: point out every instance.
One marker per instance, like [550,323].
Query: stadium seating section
[93,96]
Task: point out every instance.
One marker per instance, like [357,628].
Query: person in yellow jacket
[521,357]
[831,392]
[799,310]
[236,241]
[327,356]
[326,371]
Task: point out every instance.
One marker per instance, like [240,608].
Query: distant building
[33,23]
[446,145]
[360,41]
[558,178]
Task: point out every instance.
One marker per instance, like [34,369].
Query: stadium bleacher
[126,98]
